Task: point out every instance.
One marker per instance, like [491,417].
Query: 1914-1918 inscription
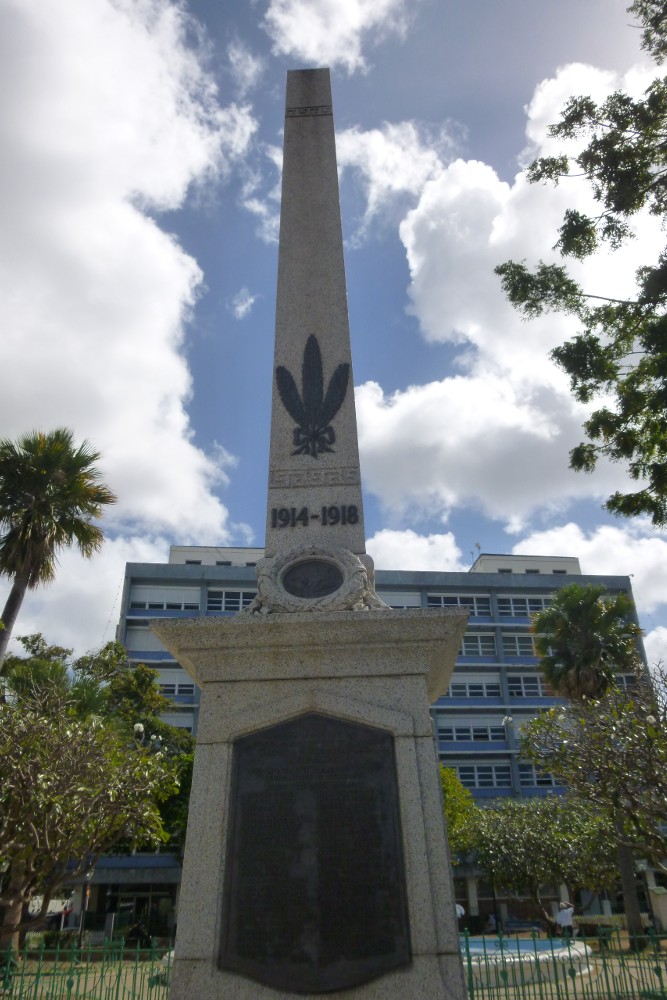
[315,895]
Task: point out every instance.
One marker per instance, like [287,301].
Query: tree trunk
[10,612]
[626,868]
[9,932]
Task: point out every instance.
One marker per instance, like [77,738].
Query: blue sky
[138,258]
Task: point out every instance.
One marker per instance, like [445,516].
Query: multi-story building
[496,686]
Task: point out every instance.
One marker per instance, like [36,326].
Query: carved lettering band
[288,479]
[317,109]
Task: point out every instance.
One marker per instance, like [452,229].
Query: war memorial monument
[316,857]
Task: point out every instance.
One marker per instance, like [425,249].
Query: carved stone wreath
[314,578]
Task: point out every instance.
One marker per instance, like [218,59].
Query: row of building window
[229,600]
[500,776]
[471,734]
[164,605]
[216,600]
[169,690]
[508,607]
[484,644]
[518,685]
[480,606]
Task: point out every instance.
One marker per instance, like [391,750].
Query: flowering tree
[69,790]
[527,846]
[612,752]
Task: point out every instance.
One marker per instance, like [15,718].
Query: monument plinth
[316,856]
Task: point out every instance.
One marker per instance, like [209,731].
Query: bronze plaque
[315,896]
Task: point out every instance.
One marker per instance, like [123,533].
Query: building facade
[496,686]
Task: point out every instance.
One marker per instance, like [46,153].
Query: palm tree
[50,495]
[585,637]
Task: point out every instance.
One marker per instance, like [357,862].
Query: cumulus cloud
[497,435]
[333,32]
[94,295]
[393,162]
[81,609]
[407,550]
[632,549]
[91,283]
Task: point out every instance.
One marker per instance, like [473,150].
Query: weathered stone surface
[370,668]
[314,494]
[317,645]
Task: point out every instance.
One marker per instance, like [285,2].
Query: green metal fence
[604,967]
[112,971]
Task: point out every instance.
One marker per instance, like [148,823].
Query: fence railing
[607,966]
[112,971]
[603,967]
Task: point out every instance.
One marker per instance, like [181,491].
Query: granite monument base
[316,858]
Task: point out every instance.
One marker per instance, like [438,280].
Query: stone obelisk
[314,453]
[316,858]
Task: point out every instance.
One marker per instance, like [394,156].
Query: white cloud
[497,436]
[333,32]
[81,608]
[393,162]
[655,644]
[632,549]
[407,550]
[242,303]
[94,286]
[246,68]
[106,111]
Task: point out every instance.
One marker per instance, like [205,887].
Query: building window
[223,562]
[474,689]
[161,598]
[505,571]
[518,645]
[229,600]
[521,607]
[560,572]
[533,571]
[484,775]
[168,690]
[193,562]
[527,686]
[471,734]
[478,644]
[532,777]
[475,604]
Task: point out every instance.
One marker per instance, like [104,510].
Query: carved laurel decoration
[355,594]
[313,409]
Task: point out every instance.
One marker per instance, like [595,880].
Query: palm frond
[312,381]
[336,391]
[289,395]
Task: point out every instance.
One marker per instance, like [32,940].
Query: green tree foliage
[105,688]
[612,752]
[69,790]
[584,638]
[50,497]
[459,805]
[536,844]
[619,357]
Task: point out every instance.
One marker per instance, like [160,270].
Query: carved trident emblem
[313,410]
